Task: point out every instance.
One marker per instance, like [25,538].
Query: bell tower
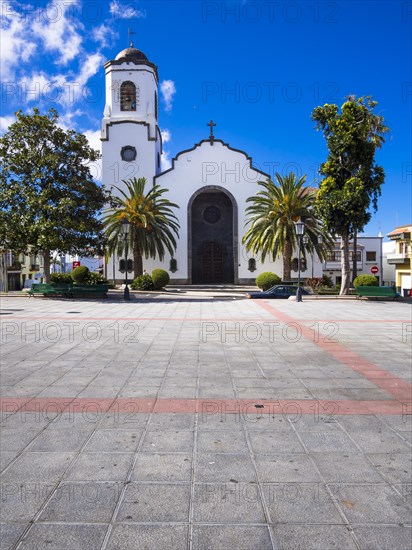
[131,140]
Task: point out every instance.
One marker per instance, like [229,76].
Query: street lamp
[125,227]
[300,228]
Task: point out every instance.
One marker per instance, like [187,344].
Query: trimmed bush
[61,278]
[160,278]
[80,274]
[143,282]
[96,279]
[267,279]
[365,280]
[327,281]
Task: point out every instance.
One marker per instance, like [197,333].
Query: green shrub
[329,290]
[96,279]
[143,282]
[80,274]
[61,278]
[327,281]
[160,278]
[267,280]
[365,280]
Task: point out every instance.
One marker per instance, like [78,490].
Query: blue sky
[258,68]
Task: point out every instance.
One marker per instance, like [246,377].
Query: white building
[389,269]
[368,261]
[210,181]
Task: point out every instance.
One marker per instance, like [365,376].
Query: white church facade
[210,182]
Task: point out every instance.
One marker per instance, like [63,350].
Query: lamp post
[299,227]
[125,227]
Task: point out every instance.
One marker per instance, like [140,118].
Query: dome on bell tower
[131,54]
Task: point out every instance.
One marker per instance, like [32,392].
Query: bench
[376,292]
[50,289]
[70,291]
[89,291]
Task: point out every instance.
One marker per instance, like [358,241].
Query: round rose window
[211,214]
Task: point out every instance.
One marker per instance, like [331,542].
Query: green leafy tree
[352,180]
[153,223]
[271,218]
[48,199]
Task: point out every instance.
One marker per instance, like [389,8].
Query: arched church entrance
[212,240]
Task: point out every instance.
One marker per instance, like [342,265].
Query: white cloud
[90,66]
[104,35]
[15,46]
[60,89]
[57,29]
[5,122]
[168,90]
[165,161]
[166,135]
[93,137]
[125,11]
[66,119]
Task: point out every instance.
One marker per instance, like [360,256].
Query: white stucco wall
[215,166]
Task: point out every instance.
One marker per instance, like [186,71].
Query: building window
[128,153]
[128,96]
[212,214]
[334,256]
[122,266]
[370,256]
[252,265]
[173,265]
[358,256]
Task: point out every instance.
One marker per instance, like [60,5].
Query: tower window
[128,153]
[128,96]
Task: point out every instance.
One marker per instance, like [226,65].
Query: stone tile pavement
[205,423]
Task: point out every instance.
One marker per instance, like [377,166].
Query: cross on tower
[211,136]
[130,32]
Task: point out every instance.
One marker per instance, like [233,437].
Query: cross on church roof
[130,32]
[211,136]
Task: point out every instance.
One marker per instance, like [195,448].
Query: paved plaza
[205,421]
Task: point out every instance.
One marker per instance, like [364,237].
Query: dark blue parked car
[277,291]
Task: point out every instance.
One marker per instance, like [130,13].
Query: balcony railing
[397,258]
[337,265]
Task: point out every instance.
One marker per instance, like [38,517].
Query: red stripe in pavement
[92,408]
[384,380]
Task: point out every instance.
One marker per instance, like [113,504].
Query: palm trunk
[345,264]
[287,260]
[46,265]
[137,260]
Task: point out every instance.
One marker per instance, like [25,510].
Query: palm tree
[271,218]
[152,222]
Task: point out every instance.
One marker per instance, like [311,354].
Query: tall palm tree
[152,222]
[271,218]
